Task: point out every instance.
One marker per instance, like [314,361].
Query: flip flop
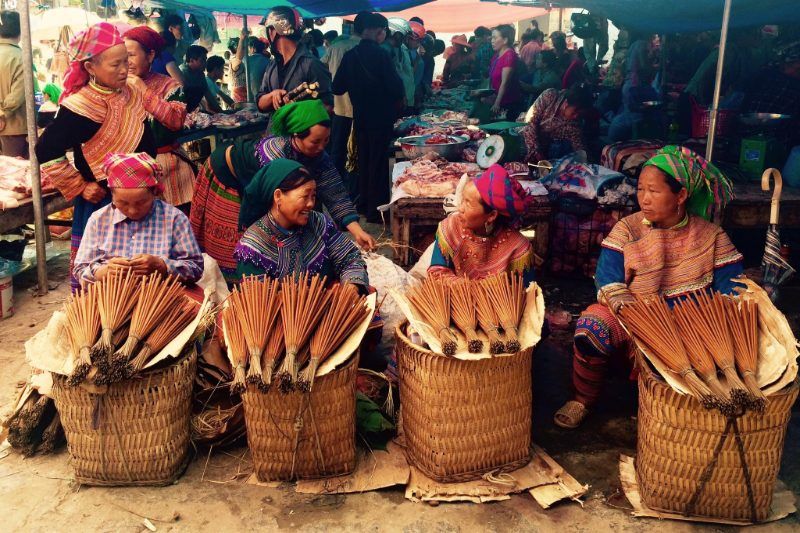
[570,415]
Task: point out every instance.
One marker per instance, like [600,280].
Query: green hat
[297,117]
[257,198]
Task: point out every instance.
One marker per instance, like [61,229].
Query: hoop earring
[488,227]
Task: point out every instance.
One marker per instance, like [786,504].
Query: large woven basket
[463,419]
[679,439]
[304,436]
[142,427]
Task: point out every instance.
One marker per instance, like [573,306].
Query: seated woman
[554,128]
[481,239]
[302,131]
[668,249]
[137,230]
[286,236]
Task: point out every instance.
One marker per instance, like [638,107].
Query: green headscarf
[297,117]
[53,92]
[257,198]
[709,190]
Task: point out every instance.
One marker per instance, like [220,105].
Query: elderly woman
[668,249]
[137,231]
[554,128]
[100,113]
[302,131]
[286,236]
[481,239]
[165,104]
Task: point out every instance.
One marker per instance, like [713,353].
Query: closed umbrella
[775,269]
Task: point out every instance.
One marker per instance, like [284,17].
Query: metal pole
[246,58]
[36,180]
[723,41]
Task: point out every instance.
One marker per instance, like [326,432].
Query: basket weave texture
[142,436]
[463,419]
[304,435]
[678,440]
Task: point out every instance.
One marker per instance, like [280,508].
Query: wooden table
[23,214]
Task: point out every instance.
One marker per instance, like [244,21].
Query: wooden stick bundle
[507,294]
[176,321]
[431,300]
[303,300]
[743,324]
[83,328]
[462,309]
[651,322]
[237,345]
[487,318]
[347,309]
[116,298]
[260,306]
[272,353]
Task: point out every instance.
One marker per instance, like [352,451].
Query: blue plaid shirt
[165,233]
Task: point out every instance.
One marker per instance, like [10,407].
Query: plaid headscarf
[709,190]
[149,38]
[87,44]
[297,117]
[501,192]
[132,171]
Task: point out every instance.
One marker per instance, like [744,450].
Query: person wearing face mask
[668,249]
[301,131]
[554,128]
[481,239]
[165,103]
[285,236]
[101,113]
[137,231]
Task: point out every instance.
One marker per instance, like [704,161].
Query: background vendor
[137,230]
[668,249]
[554,127]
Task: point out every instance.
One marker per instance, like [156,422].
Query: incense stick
[507,295]
[237,345]
[260,306]
[743,324]
[487,318]
[272,353]
[431,300]
[83,327]
[462,309]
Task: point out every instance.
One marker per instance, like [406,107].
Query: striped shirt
[165,233]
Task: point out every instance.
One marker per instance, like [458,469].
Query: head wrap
[149,38]
[501,192]
[709,190]
[297,117]
[53,92]
[257,198]
[87,44]
[132,171]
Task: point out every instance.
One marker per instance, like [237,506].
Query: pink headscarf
[87,44]
[133,171]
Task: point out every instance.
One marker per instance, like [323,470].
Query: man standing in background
[13,123]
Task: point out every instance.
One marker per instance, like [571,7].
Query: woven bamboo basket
[678,440]
[463,419]
[142,434]
[304,436]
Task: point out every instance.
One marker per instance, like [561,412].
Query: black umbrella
[775,269]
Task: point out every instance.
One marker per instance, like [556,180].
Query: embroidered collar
[682,224]
[101,89]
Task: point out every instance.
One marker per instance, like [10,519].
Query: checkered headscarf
[132,171]
[501,192]
[87,44]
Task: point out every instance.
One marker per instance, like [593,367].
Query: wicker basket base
[142,435]
[304,436]
[463,419]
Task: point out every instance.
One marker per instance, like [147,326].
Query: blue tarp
[307,8]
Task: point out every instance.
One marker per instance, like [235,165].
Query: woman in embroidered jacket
[286,236]
[481,239]
[100,113]
[166,105]
[301,132]
[668,249]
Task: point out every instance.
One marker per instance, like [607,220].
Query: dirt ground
[38,493]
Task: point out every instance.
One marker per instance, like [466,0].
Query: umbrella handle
[776,194]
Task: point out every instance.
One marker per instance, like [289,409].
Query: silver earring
[488,227]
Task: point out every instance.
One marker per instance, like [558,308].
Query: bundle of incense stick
[743,324]
[116,298]
[237,345]
[272,353]
[303,301]
[709,318]
[83,328]
[651,323]
[462,309]
[176,321]
[487,318]
[431,301]
[157,296]
[347,309]
[259,310]
[301,92]
[507,294]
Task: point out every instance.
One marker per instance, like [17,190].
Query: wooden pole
[723,41]
[246,59]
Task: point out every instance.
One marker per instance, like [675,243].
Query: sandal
[570,415]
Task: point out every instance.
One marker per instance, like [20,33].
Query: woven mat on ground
[783,502]
[543,478]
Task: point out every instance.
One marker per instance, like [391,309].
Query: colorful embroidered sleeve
[728,264]
[346,259]
[170,112]
[610,279]
[531,132]
[441,266]
[65,132]
[185,259]
[333,195]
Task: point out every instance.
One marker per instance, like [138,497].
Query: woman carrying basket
[668,249]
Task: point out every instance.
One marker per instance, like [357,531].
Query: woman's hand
[496,107]
[145,264]
[364,240]
[93,192]
[115,265]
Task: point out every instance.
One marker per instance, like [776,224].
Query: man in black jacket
[367,74]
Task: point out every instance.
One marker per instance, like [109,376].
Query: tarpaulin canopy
[680,16]
[307,8]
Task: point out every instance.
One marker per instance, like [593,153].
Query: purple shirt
[513,91]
